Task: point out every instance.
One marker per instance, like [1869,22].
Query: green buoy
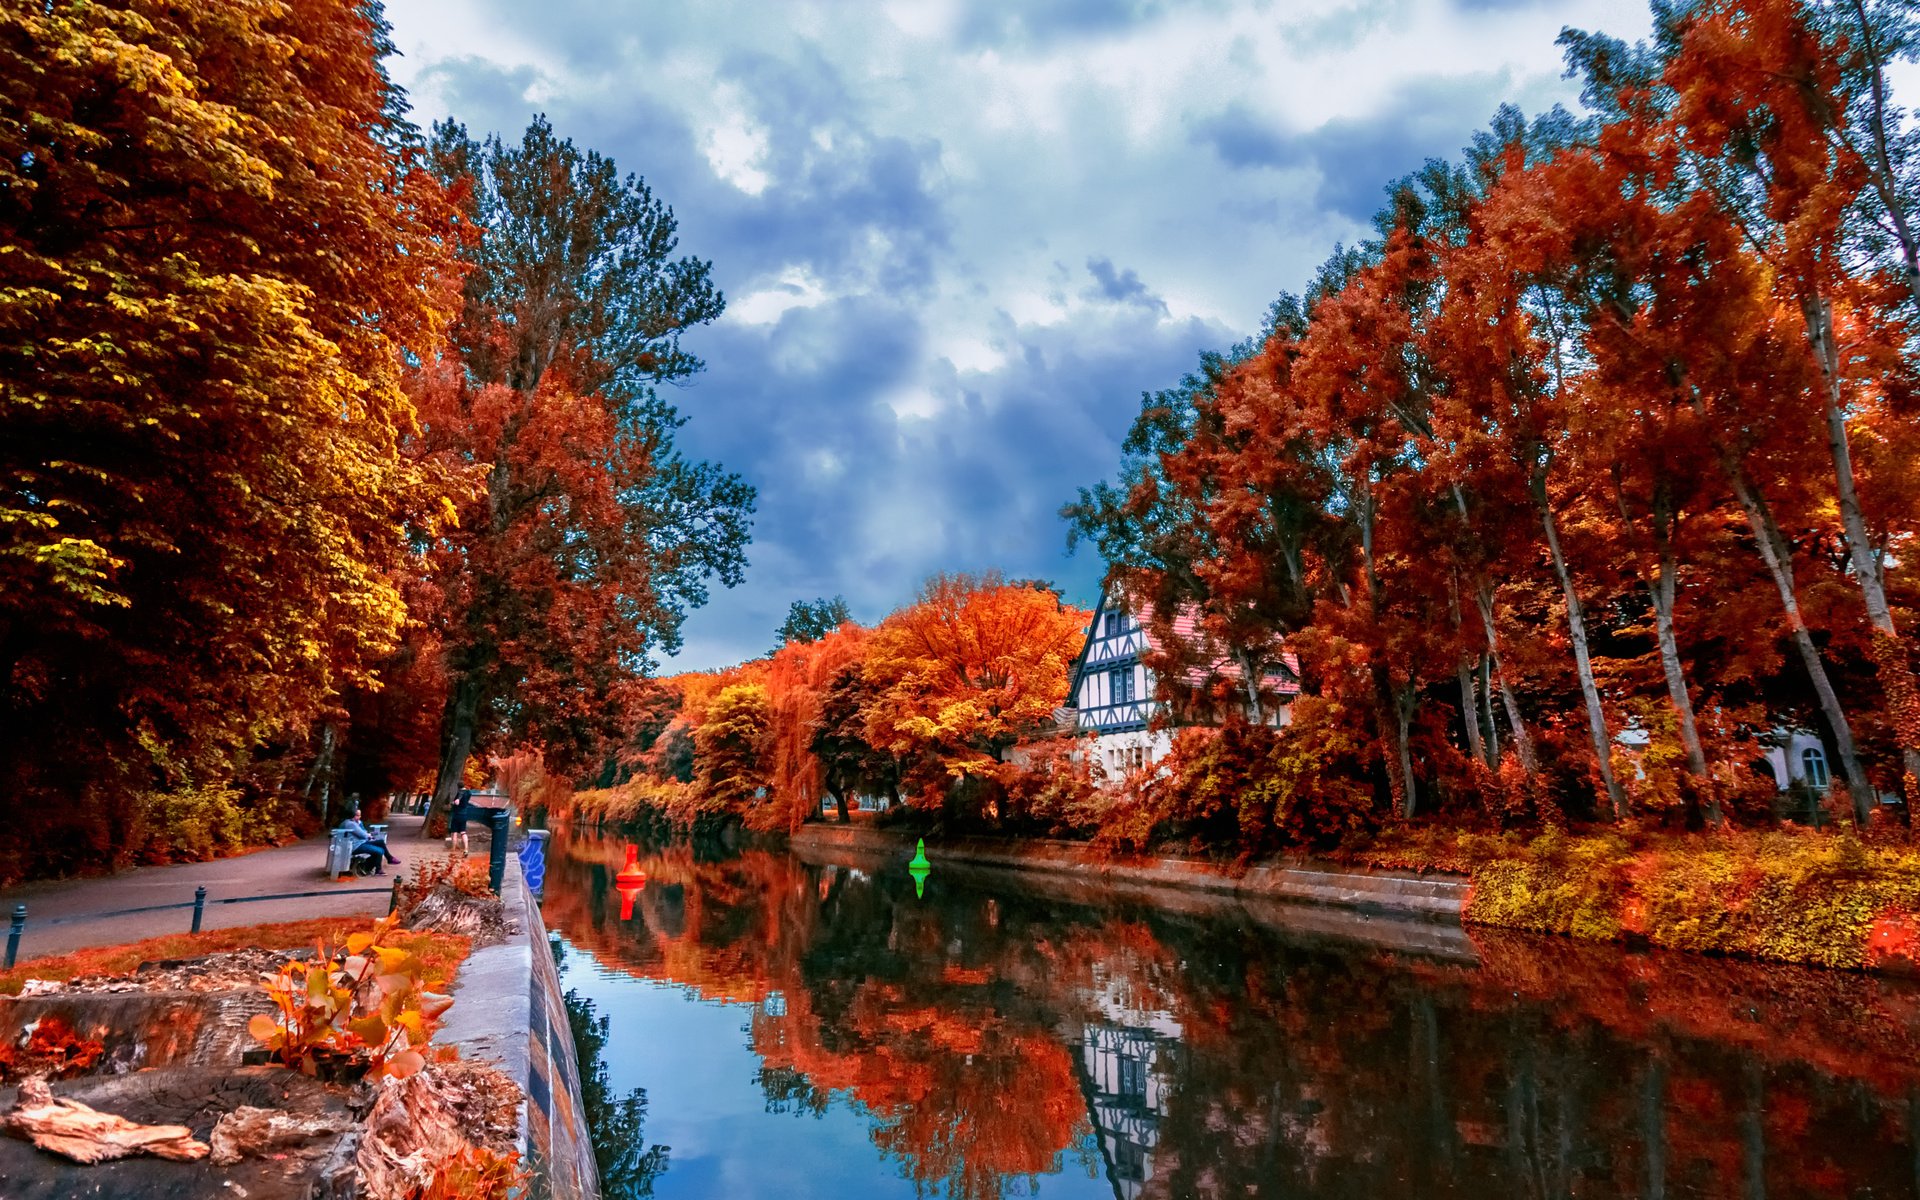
[920,868]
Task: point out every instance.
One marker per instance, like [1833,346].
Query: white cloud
[794,288]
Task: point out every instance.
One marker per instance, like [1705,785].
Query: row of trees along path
[1648,365]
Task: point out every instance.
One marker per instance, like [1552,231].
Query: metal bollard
[497,849]
[13,934]
[199,906]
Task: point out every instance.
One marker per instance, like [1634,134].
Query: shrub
[474,1173]
[1789,896]
[1252,789]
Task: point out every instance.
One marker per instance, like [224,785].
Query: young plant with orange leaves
[366,1005]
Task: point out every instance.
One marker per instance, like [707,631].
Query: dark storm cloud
[1357,158]
[979,481]
[1122,287]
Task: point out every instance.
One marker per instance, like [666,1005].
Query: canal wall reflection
[995,1034]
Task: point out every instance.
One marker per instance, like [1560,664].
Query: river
[759,1025]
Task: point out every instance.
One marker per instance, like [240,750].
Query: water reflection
[617,1122]
[1007,1034]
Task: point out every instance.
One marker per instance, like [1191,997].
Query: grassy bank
[440,954]
[1828,899]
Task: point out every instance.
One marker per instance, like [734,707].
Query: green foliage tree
[730,747]
[811,620]
[849,763]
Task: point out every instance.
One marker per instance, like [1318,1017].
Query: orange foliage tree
[589,535]
[964,673]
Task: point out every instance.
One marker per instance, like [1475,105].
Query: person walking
[457,822]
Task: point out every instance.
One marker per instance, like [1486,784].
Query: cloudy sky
[959,239]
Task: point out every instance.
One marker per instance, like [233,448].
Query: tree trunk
[1522,740]
[1405,700]
[1390,715]
[322,773]
[1469,701]
[1662,587]
[1250,681]
[1577,631]
[1491,726]
[1470,711]
[456,741]
[1896,677]
[840,802]
[1778,557]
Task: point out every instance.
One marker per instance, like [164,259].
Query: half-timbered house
[1112,691]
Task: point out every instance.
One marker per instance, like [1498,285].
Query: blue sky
[958,240]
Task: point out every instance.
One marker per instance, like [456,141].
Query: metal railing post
[13,934]
[199,905]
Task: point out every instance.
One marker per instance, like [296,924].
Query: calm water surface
[766,1026]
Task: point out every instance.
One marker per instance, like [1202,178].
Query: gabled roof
[1186,628]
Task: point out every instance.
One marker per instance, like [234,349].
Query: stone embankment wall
[1407,913]
[507,1008]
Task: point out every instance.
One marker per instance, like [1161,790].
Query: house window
[1116,624]
[1120,685]
[1133,1077]
[1813,766]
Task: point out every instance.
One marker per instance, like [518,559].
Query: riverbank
[159,1007]
[1822,899]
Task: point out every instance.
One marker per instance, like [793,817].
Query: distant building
[1112,691]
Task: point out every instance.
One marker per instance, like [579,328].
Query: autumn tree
[592,534]
[849,763]
[811,620]
[964,672]
[1780,112]
[219,249]
[798,678]
[730,746]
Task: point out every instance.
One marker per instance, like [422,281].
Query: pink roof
[1186,627]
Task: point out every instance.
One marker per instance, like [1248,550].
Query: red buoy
[629,882]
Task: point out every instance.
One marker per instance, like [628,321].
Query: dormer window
[1116,624]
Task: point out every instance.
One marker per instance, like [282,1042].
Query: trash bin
[339,854]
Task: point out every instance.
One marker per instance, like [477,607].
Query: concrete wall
[1428,897]
[507,1008]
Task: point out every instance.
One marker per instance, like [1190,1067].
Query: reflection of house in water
[1121,1058]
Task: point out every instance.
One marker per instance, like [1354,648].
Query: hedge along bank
[1827,899]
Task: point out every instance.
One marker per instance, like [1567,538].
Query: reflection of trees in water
[991,1038]
[628,1166]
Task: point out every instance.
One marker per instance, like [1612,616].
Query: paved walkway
[300,867]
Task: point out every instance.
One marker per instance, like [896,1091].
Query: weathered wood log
[250,1131]
[86,1135]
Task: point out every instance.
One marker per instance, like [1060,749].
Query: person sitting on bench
[363,837]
